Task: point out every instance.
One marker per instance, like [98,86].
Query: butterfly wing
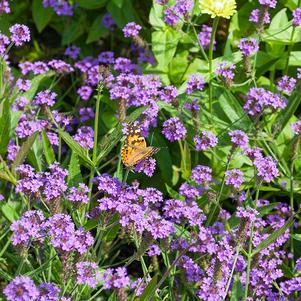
[132,155]
[135,148]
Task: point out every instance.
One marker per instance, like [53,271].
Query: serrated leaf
[48,150]
[41,15]
[149,290]
[270,239]
[74,172]
[80,151]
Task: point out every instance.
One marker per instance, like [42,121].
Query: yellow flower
[218,8]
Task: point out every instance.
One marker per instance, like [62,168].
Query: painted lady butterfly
[135,148]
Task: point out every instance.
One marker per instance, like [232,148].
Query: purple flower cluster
[173,129]
[21,288]
[86,114]
[234,177]
[87,273]
[4,7]
[64,237]
[259,99]
[205,35]
[72,51]
[257,16]
[50,184]
[226,71]
[266,168]
[239,138]
[286,84]
[115,278]
[195,83]
[147,166]
[202,175]
[29,228]
[248,46]
[85,137]
[61,7]
[268,3]
[108,22]
[206,141]
[78,195]
[4,41]
[178,11]
[131,30]
[297,17]
[137,207]
[46,98]
[296,127]
[19,34]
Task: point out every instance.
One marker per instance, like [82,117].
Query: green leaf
[163,158]
[237,291]
[164,45]
[10,210]
[156,15]
[123,15]
[149,290]
[72,31]
[24,150]
[270,239]
[35,82]
[97,31]
[5,125]
[80,151]
[41,15]
[91,4]
[264,210]
[48,150]
[286,114]
[185,161]
[233,110]
[74,172]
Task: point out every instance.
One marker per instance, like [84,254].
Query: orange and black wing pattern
[135,148]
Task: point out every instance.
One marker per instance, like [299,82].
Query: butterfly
[135,148]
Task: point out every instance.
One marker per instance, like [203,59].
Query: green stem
[290,47]
[292,209]
[249,262]
[212,212]
[232,271]
[214,28]
[249,256]
[200,45]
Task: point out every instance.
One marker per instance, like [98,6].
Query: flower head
[248,46]
[21,288]
[297,17]
[20,34]
[218,8]
[173,129]
[131,30]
